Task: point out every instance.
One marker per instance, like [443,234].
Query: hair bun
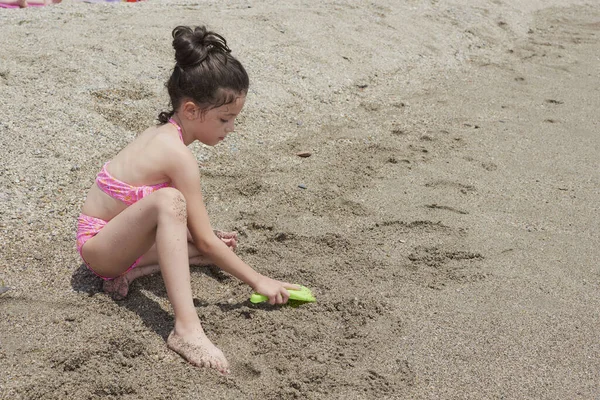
[193,46]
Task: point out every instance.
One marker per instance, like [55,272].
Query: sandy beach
[447,219]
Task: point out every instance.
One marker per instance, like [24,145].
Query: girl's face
[214,125]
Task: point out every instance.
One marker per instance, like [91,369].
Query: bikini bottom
[87,228]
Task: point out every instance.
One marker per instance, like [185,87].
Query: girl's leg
[196,258]
[159,217]
[118,288]
[148,265]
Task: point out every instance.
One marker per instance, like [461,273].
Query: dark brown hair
[205,71]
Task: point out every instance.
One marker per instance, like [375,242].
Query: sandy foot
[117,288]
[199,351]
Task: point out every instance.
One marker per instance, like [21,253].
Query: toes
[202,362]
[223,371]
[108,287]
[224,368]
[220,366]
[123,290]
[207,362]
[212,363]
[122,287]
[117,288]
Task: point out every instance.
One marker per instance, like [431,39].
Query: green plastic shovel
[303,294]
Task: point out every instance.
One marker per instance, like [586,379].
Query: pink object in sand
[5,5]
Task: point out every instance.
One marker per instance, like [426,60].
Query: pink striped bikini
[88,227]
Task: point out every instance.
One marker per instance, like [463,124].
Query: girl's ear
[190,110]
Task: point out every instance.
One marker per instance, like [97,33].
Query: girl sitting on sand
[136,217]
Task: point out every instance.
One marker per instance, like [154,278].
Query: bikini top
[125,192]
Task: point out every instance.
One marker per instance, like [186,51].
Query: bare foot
[229,238]
[117,288]
[198,350]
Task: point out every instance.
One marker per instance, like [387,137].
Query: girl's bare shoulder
[164,144]
[162,140]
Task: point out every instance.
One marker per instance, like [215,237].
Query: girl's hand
[274,290]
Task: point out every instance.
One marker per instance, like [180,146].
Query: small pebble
[304,154]
[4,289]
[302,186]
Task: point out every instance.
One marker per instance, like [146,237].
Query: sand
[448,224]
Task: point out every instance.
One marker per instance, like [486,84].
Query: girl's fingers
[283,295]
[290,286]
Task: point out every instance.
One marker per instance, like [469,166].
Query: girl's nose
[230,127]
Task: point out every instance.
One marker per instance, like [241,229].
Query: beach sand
[448,224]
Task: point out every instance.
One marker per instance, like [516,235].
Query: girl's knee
[172,202]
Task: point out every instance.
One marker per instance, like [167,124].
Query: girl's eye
[224,120]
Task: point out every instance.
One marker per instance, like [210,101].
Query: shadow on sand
[152,314]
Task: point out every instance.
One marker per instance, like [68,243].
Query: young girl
[138,212]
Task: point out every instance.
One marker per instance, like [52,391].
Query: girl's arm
[183,171]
